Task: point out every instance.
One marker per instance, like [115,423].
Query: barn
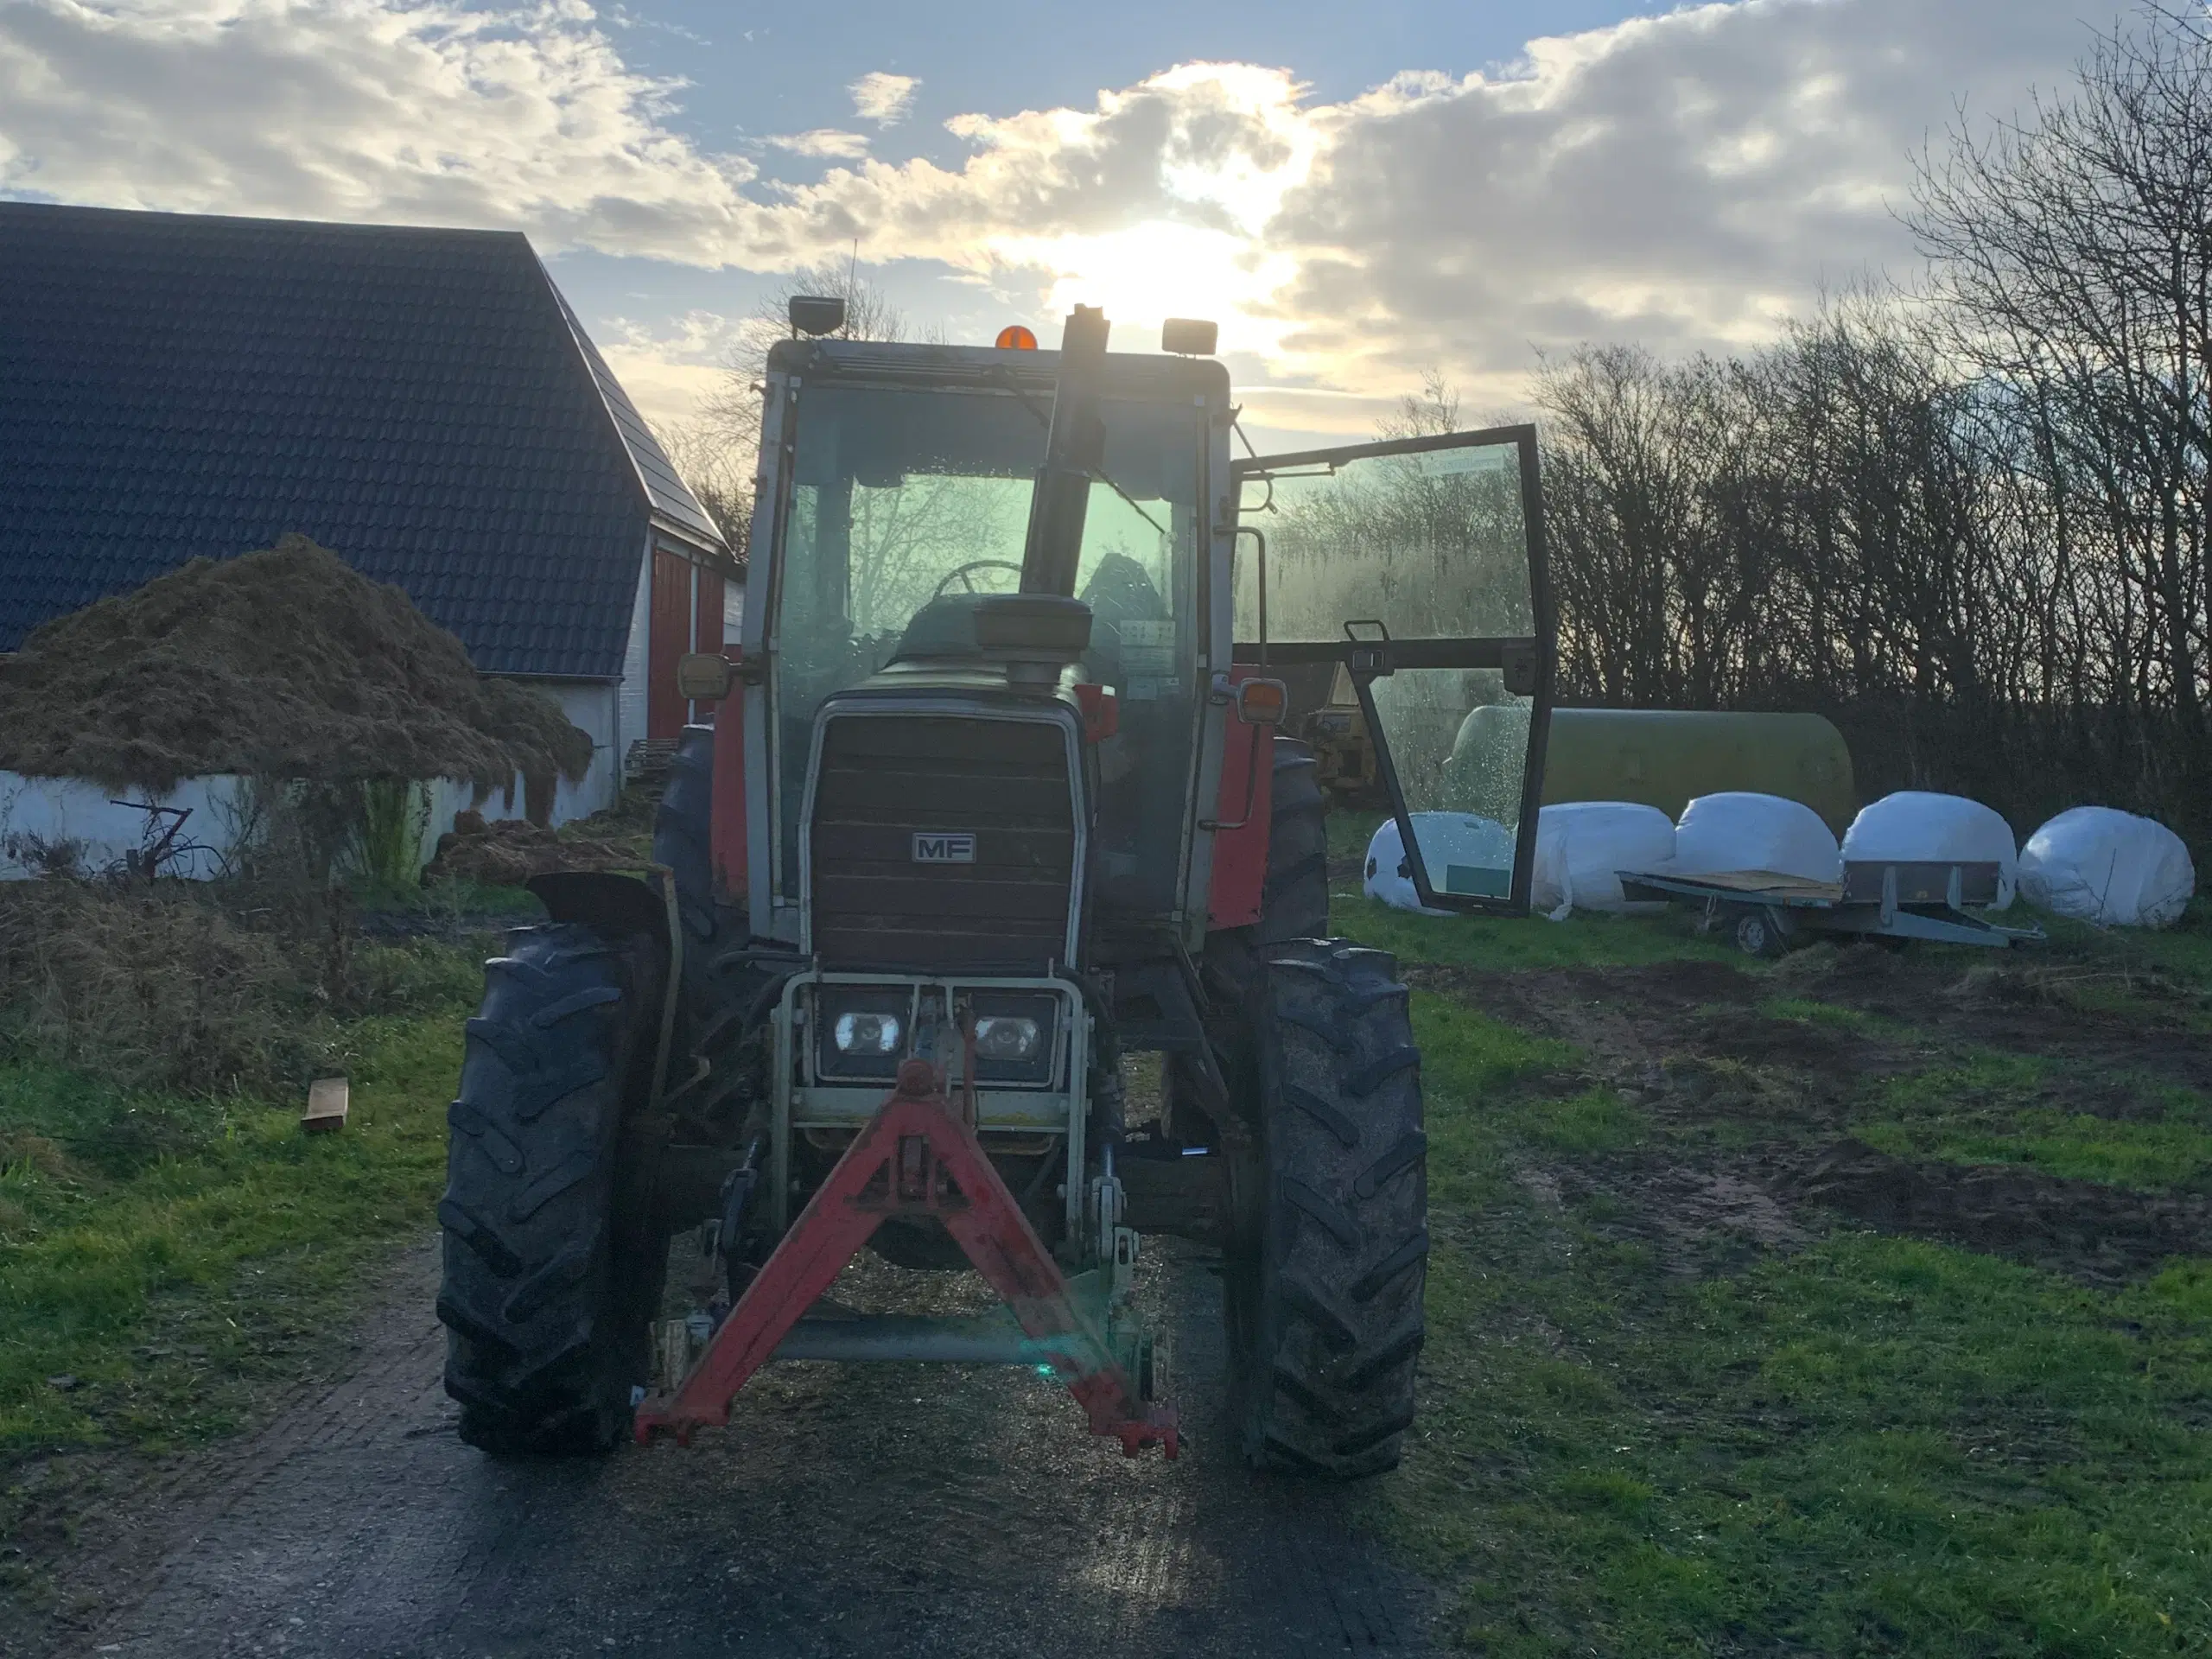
[422,402]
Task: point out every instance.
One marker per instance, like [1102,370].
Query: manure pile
[282,664]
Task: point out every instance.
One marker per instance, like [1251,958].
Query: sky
[1357,194]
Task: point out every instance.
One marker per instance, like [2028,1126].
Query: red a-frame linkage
[915,1158]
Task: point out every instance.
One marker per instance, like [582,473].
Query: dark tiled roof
[420,402]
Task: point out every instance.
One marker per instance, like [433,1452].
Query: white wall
[630,707]
[591,706]
[53,809]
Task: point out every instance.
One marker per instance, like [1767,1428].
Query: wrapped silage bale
[1915,826]
[2098,864]
[1583,846]
[1450,842]
[1738,830]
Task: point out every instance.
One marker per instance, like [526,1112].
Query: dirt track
[881,1511]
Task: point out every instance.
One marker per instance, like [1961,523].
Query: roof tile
[422,402]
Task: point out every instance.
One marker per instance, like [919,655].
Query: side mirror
[703,675]
[815,314]
[1262,702]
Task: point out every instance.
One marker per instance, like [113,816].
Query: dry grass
[156,987]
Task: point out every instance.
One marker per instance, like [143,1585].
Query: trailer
[1877,898]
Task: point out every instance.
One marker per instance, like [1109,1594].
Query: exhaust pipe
[1073,452]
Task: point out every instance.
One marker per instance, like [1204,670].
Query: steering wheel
[965,575]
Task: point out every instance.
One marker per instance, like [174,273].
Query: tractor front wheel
[549,1285]
[1324,1283]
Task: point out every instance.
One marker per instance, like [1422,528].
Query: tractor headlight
[862,1031]
[866,1033]
[1005,1037]
[1014,1039]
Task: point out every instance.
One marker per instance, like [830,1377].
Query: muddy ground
[869,1510]
[910,1511]
[1761,1104]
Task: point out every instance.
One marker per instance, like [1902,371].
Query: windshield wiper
[1044,418]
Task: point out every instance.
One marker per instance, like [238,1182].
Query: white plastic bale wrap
[1447,838]
[1743,831]
[2098,864]
[1582,846]
[1913,826]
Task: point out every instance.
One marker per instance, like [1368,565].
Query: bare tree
[2071,250]
[715,449]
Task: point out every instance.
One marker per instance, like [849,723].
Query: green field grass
[162,1256]
[1582,940]
[1843,1443]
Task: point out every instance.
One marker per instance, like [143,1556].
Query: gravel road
[885,1510]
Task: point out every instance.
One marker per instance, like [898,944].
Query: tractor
[992,798]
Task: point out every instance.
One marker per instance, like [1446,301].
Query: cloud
[883,98]
[668,367]
[427,112]
[824,143]
[1688,180]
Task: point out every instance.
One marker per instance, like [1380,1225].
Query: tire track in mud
[846,1511]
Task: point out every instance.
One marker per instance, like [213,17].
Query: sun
[1158,269]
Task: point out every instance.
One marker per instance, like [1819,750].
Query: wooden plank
[327,1100]
[1770,882]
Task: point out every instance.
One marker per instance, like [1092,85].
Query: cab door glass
[1413,569]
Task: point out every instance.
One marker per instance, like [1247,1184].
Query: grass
[1584,939]
[1862,1444]
[2150,1157]
[1811,1012]
[1988,1108]
[2182,953]
[165,1252]
[459,900]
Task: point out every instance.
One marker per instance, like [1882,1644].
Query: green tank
[1662,758]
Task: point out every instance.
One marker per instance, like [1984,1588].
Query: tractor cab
[997,793]
[900,506]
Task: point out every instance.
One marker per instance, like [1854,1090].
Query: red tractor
[995,797]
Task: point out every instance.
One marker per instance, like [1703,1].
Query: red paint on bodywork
[668,636]
[726,824]
[916,1158]
[1102,712]
[1240,856]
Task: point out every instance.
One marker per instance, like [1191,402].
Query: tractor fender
[614,904]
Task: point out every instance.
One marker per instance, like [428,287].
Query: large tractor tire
[1324,1286]
[1293,905]
[549,1287]
[681,828]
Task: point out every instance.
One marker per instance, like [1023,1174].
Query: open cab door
[1416,566]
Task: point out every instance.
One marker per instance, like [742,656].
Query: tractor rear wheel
[1323,1284]
[550,1287]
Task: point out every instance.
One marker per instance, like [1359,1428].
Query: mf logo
[944,847]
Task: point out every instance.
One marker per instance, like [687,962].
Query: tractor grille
[896,794]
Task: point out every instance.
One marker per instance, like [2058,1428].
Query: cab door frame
[1527,663]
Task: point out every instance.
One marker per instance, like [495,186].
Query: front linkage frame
[919,1159]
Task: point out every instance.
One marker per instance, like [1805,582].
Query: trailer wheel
[1324,1284]
[550,1287]
[1758,936]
